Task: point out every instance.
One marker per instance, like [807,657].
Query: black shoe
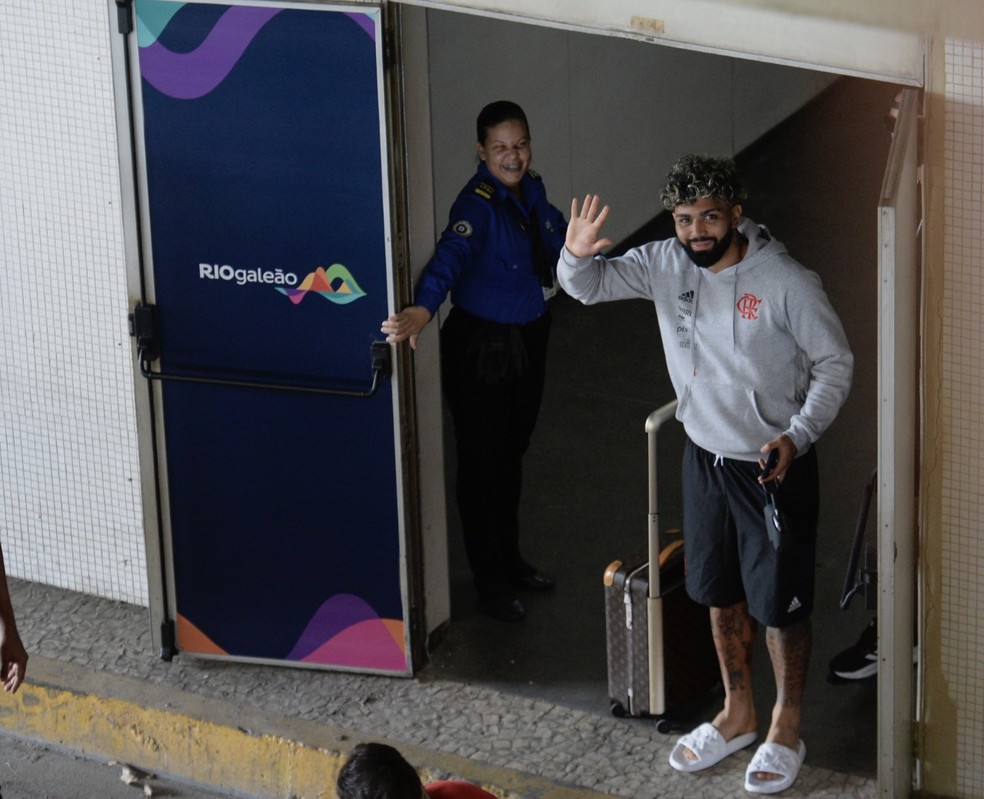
[534,582]
[503,608]
[860,661]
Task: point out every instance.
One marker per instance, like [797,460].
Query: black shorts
[730,558]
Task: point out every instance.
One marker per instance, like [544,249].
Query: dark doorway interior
[814,181]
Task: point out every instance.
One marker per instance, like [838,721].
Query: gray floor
[33,770]
[815,183]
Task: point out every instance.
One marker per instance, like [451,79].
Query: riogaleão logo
[335,284]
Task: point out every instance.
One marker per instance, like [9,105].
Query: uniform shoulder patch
[486,190]
[534,174]
[462,228]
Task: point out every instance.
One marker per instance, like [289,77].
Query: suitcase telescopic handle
[654,602]
[656,420]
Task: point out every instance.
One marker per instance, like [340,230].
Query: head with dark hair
[704,194]
[377,771]
[496,113]
[504,143]
[696,177]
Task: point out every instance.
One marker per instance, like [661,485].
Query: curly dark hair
[695,177]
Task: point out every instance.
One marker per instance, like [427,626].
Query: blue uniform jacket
[485,258]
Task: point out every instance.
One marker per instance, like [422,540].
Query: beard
[707,258]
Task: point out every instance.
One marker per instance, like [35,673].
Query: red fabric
[456,789]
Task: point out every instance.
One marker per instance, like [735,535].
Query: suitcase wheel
[664,726]
[618,709]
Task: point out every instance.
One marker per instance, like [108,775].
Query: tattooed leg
[734,634]
[789,650]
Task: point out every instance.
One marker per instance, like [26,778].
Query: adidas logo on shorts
[794,605]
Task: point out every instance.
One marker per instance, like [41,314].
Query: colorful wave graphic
[152,19]
[188,76]
[335,284]
[345,631]
[192,639]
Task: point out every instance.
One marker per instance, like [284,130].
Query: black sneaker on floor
[860,661]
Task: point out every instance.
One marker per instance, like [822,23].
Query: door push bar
[144,328]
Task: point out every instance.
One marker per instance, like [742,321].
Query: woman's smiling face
[506,151]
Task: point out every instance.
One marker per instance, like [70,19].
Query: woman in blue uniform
[496,258]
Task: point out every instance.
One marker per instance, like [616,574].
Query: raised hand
[584,228]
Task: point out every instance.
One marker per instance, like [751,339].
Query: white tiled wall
[69,484]
[963,402]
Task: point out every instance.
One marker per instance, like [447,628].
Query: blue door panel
[266,190]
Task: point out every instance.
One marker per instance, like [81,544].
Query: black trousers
[494,405]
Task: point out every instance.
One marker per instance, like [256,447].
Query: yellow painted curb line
[216,743]
[173,743]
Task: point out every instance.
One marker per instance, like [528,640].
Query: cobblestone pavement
[617,757]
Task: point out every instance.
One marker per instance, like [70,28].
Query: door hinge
[124,16]
[144,328]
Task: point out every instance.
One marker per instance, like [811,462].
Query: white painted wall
[607,115]
[70,504]
[779,35]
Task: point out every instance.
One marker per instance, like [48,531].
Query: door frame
[756,43]
[148,394]
[898,495]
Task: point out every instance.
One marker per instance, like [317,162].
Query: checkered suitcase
[660,652]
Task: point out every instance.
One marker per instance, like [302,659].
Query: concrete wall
[607,115]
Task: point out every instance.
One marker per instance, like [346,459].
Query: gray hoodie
[753,351]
